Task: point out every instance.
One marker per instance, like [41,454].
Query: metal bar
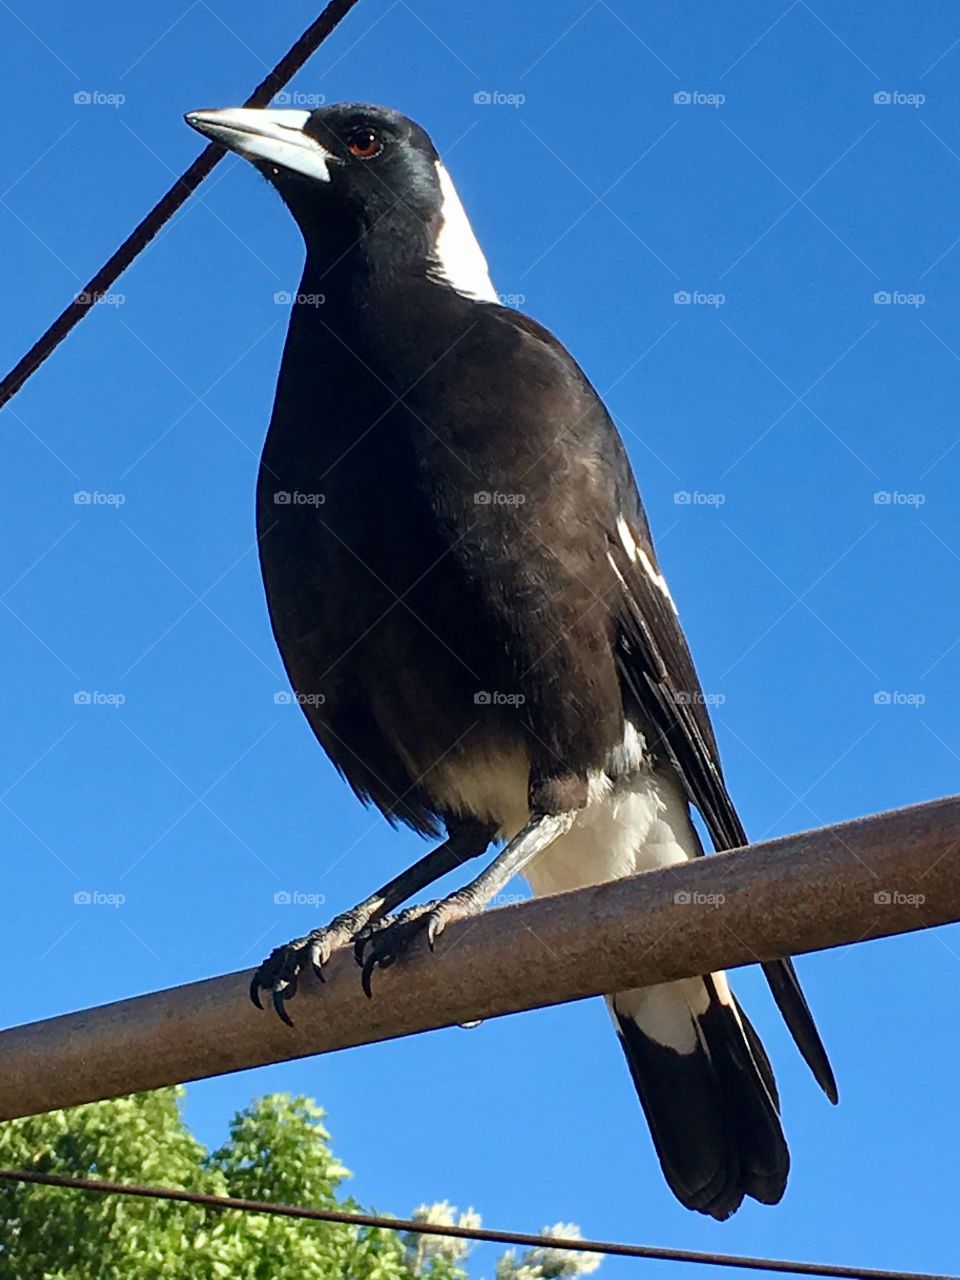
[873,877]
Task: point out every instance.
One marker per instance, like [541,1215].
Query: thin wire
[574,1244]
[168,204]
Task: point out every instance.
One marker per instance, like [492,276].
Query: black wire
[782,1266]
[167,205]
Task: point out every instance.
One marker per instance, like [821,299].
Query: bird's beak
[266,136]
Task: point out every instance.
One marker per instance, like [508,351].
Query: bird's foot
[280,972]
[381,942]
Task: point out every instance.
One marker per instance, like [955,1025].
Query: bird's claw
[280,972]
[385,941]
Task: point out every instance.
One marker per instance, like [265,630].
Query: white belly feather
[635,819]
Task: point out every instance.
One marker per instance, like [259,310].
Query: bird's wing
[658,676]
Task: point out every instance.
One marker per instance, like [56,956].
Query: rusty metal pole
[887,874]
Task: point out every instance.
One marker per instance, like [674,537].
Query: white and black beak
[266,137]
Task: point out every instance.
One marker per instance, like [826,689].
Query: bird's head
[360,176]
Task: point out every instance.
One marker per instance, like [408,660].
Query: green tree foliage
[278,1149]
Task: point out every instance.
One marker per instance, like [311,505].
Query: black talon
[279,999]
[360,944]
[255,990]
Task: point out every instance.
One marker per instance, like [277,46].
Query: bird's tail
[708,1092]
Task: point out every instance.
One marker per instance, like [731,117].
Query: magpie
[465,593]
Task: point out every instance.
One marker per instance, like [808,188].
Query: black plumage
[464,590]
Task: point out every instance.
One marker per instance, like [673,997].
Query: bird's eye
[364,144]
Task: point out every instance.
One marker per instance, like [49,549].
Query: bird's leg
[380,945]
[279,973]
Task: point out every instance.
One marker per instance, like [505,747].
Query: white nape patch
[457,257]
[268,135]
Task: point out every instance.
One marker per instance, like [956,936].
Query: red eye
[364,144]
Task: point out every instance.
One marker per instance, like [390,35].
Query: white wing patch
[457,257]
[658,580]
[639,556]
[627,538]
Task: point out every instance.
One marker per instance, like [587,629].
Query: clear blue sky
[796,400]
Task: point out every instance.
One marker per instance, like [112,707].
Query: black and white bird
[466,596]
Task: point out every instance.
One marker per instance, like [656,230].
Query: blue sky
[764,417]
